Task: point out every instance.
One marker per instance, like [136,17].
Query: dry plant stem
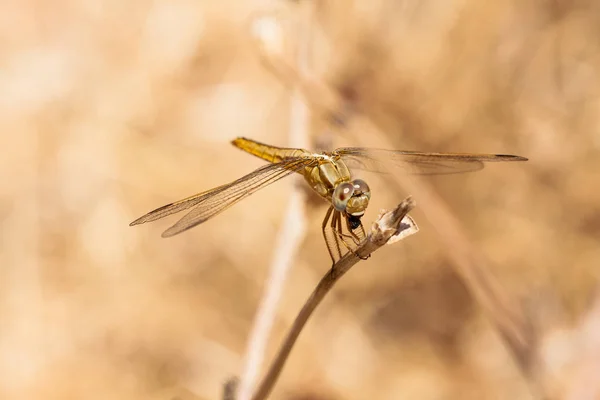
[290,236]
[470,264]
[383,229]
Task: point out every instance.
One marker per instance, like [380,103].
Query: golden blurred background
[110,109]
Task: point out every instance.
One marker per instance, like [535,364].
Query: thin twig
[506,314]
[290,236]
[388,226]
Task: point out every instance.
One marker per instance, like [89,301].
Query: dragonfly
[329,175]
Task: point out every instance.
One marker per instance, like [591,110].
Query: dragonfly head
[352,198]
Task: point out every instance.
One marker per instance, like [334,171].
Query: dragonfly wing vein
[213,203]
[419,163]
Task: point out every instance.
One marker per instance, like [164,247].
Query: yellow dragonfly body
[328,174]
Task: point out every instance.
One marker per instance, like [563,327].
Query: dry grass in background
[108,111]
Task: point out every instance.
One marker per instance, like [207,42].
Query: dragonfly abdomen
[267,152]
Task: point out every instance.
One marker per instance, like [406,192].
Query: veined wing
[207,204]
[415,162]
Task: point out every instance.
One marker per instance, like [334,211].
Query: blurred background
[111,109]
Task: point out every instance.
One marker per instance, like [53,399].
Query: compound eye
[361,187]
[342,193]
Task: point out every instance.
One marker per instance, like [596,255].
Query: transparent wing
[210,203]
[415,162]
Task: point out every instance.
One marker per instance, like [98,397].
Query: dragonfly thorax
[331,179]
[326,175]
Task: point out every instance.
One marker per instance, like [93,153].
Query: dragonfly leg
[357,239]
[330,246]
[362,228]
[334,220]
[340,232]
[333,234]
[343,236]
[353,235]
